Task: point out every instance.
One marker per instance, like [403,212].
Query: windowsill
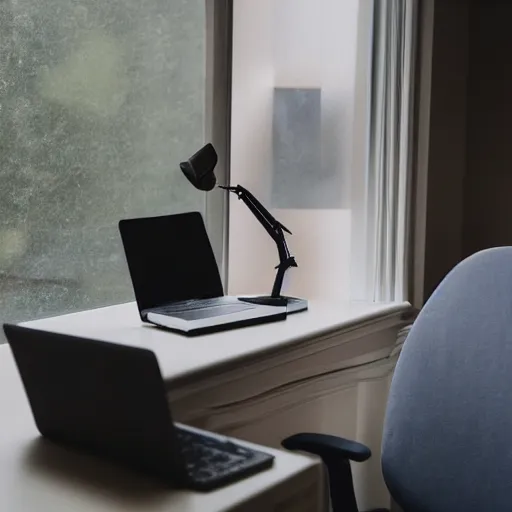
[181,358]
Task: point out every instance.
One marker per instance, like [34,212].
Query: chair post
[341,487]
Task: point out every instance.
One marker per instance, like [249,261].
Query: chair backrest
[447,444]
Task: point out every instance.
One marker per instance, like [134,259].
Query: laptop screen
[170,259]
[99,397]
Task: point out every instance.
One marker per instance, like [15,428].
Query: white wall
[292,43]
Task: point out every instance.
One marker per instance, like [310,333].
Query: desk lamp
[199,171]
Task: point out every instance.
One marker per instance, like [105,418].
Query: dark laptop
[176,280]
[110,400]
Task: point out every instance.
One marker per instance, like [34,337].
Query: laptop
[110,400]
[176,280]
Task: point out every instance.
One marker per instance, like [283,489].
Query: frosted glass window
[294,98]
[99,101]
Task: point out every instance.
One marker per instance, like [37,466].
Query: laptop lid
[170,258]
[102,398]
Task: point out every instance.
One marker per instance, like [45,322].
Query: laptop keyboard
[192,304]
[203,308]
[209,459]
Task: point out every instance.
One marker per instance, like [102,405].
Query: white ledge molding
[326,370]
[184,359]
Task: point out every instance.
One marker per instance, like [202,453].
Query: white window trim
[219,15]
[361,132]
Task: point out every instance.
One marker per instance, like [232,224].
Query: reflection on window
[99,101]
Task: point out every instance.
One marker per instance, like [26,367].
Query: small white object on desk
[36,475]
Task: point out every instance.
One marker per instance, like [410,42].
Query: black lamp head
[199,168]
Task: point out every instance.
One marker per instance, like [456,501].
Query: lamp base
[292,304]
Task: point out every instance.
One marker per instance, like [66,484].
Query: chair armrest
[327,446]
[336,453]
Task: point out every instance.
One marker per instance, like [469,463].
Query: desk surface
[38,476]
[179,356]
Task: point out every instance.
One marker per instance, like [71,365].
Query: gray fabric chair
[447,444]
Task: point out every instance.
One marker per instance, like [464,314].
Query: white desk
[325,370]
[38,476]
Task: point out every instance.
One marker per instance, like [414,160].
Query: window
[99,101]
[321,116]
[294,89]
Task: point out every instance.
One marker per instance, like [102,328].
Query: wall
[447,146]
[469,178]
[488,206]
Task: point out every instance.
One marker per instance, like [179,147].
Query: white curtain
[390,141]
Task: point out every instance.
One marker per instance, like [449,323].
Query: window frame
[361,129]
[219,30]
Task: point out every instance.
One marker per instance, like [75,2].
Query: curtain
[389,167]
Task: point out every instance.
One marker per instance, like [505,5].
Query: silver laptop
[176,280]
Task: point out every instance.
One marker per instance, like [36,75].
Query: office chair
[447,441]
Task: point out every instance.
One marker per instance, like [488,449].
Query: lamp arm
[273,227]
[269,222]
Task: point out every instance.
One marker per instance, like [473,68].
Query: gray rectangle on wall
[300,179]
